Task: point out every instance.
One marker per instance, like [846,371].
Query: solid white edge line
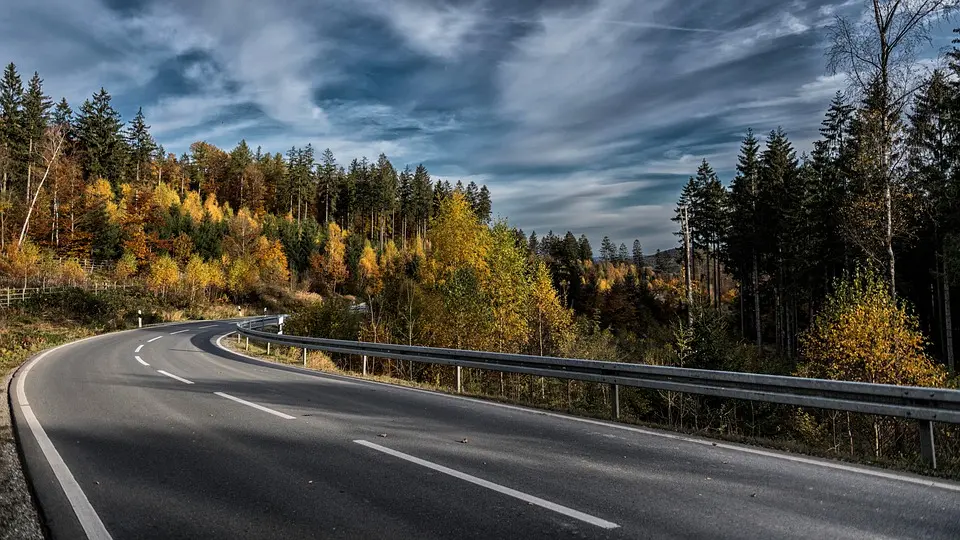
[877,473]
[141,360]
[205,327]
[172,376]
[560,509]
[255,406]
[154,339]
[86,515]
[179,332]
[139,347]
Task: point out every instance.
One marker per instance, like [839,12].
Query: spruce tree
[586,252]
[742,238]
[328,184]
[607,250]
[422,198]
[637,254]
[62,114]
[484,204]
[11,126]
[99,139]
[142,145]
[405,197]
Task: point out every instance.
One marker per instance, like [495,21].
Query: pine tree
[385,192]
[12,149]
[240,159]
[586,252]
[328,184]
[422,198]
[608,253]
[405,199]
[742,239]
[533,244]
[99,140]
[934,139]
[637,254]
[778,172]
[484,204]
[472,193]
[622,255]
[141,143]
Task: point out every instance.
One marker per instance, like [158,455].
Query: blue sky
[579,115]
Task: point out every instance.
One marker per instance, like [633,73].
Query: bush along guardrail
[925,405]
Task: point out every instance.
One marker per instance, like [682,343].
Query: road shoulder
[18,512]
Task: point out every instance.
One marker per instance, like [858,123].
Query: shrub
[863,334]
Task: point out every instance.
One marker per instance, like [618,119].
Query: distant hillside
[671,260]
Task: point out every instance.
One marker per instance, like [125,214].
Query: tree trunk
[948,318]
[50,163]
[688,260]
[756,301]
[716,262]
[29,172]
[777,319]
[892,261]
[743,325]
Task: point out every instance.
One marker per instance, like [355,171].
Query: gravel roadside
[18,515]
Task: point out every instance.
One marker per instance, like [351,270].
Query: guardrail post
[364,365]
[459,380]
[247,344]
[268,348]
[927,449]
[615,398]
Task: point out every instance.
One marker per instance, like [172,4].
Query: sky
[581,115]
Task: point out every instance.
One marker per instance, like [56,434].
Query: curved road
[159,433]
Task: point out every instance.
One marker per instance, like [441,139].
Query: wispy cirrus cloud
[585,115]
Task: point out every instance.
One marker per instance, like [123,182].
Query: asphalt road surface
[159,433]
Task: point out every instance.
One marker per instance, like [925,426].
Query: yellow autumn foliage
[21,263]
[165,196]
[125,267]
[164,275]
[458,239]
[193,207]
[99,194]
[213,208]
[331,266]
[862,334]
[72,273]
[271,260]
[369,269]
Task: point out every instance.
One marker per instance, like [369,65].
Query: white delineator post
[139,318]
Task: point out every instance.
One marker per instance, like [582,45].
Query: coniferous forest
[840,263]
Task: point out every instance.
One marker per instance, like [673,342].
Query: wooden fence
[10,295]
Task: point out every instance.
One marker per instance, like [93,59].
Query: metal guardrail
[926,405]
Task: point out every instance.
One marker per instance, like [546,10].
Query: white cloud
[441,31]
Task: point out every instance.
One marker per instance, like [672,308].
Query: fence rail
[11,295]
[925,405]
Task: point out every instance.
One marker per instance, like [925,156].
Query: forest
[842,263]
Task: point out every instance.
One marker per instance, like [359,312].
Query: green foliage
[99,139]
[331,318]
